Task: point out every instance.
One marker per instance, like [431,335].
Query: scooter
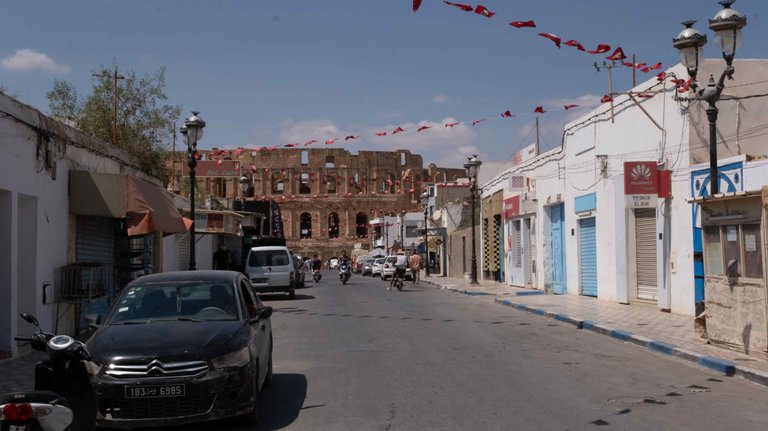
[316,275]
[63,398]
[344,273]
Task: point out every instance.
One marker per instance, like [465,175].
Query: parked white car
[378,264]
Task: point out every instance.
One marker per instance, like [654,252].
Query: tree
[145,122]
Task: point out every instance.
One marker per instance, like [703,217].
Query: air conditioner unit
[529,196]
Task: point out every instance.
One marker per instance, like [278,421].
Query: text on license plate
[154,391]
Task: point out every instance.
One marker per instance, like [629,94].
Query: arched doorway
[361,225]
[305,226]
[333,225]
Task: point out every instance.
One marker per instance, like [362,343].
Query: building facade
[328,197]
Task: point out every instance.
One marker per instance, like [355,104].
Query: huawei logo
[641,173]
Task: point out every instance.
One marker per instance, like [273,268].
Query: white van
[271,269]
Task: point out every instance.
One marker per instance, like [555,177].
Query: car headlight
[236,359]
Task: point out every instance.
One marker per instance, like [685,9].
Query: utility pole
[114,77]
[538,136]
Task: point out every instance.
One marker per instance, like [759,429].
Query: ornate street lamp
[472,166]
[425,200]
[727,25]
[193,132]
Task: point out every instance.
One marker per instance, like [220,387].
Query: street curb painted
[723,366]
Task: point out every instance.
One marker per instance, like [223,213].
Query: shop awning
[146,207]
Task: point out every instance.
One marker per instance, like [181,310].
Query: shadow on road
[265,297]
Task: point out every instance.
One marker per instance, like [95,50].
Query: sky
[271,73]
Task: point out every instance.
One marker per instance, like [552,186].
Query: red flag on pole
[606,99]
[482,10]
[464,7]
[551,37]
[601,48]
[507,114]
[416,5]
[521,24]
[617,55]
[539,109]
[575,44]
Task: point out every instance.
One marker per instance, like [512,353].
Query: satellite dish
[436,215]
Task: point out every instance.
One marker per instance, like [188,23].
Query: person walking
[415,263]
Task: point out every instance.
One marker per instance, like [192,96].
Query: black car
[182,347]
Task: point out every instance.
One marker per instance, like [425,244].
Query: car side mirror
[263,313]
[93,320]
[30,319]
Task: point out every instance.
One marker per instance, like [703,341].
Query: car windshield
[378,261]
[197,301]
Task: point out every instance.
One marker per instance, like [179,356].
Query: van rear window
[268,258]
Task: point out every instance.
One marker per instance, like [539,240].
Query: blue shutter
[588,256]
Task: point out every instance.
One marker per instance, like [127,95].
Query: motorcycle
[344,272]
[316,275]
[63,398]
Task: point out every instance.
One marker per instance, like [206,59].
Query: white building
[571,228]
[77,219]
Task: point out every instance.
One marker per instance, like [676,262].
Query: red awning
[150,209]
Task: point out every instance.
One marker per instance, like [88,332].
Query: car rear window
[268,258]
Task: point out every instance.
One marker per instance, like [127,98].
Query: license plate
[17,428]
[155,391]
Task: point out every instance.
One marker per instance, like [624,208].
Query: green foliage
[145,122]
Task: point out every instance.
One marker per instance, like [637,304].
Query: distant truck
[262,226]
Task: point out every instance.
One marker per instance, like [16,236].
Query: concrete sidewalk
[639,324]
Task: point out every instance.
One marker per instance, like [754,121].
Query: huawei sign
[640,178]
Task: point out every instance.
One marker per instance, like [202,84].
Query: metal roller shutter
[588,256]
[95,243]
[645,253]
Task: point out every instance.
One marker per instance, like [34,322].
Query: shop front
[519,213]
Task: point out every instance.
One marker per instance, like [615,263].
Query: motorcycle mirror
[93,320]
[30,319]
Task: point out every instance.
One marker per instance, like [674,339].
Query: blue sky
[269,73]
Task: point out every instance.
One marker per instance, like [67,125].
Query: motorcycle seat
[43,397]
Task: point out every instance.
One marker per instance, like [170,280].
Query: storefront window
[731,250]
[714,250]
[753,256]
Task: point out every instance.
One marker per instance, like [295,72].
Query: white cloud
[303,131]
[29,59]
[440,98]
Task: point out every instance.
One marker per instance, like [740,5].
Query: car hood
[167,341]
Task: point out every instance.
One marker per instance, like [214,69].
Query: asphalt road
[359,357]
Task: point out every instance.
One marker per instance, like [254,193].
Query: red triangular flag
[539,109]
[254,168]
[601,48]
[423,128]
[450,124]
[351,137]
[398,130]
[507,114]
[660,77]
[567,107]
[551,37]
[482,10]
[478,121]
[381,133]
[290,145]
[308,143]
[464,7]
[617,55]
[639,65]
[520,24]
[629,64]
[331,141]
[575,44]
[645,69]
[655,66]
[416,5]
[606,99]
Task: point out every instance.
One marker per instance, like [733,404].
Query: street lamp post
[727,25]
[425,201]
[193,132]
[472,165]
[402,229]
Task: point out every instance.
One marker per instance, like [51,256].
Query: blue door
[557,217]
[588,256]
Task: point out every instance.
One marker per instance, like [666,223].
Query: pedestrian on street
[222,259]
[415,263]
